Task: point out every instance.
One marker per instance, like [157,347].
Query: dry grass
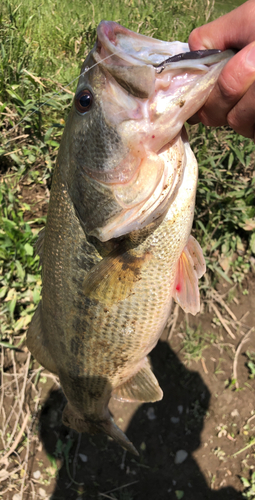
[20,400]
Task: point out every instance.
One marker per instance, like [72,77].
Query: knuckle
[233,120]
[195,40]
[241,125]
[206,120]
[228,88]
[209,119]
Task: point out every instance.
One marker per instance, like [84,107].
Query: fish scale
[117,245]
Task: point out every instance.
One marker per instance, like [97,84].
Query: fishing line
[86,70]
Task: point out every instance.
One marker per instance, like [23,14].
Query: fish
[117,247]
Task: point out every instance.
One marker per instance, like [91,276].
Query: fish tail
[85,424]
[112,430]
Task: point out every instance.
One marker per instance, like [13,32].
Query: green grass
[43,44]
[225,207]
[20,277]
[249,485]
[250,363]
[195,340]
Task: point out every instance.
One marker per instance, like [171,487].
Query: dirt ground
[195,444]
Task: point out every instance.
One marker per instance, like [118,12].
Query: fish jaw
[141,102]
[170,94]
[155,206]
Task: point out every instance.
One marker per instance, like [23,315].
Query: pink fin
[190,268]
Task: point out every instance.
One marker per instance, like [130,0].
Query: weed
[194,343]
[251,363]
[218,370]
[219,453]
[179,494]
[249,485]
[125,494]
[63,450]
[222,430]
[224,218]
[19,274]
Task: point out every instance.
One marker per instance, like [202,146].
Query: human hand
[232,101]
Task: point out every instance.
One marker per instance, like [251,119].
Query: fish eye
[83,101]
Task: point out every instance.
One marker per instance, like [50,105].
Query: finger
[242,117]
[194,119]
[234,81]
[233,30]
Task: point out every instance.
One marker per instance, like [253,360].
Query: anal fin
[36,343]
[142,387]
[190,268]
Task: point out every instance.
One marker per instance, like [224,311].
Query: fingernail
[250,58]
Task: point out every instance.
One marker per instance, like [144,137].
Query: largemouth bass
[117,246]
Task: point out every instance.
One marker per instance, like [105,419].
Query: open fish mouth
[151,88]
[153,69]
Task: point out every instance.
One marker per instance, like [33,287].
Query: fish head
[122,154]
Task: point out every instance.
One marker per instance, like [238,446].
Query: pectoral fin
[142,387]
[114,277]
[190,268]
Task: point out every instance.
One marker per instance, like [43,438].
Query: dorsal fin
[39,244]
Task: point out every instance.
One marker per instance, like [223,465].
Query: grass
[249,485]
[20,279]
[250,363]
[225,207]
[193,344]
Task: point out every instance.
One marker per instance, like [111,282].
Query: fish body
[117,245]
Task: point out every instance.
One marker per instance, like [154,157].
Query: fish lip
[110,29]
[107,39]
[149,49]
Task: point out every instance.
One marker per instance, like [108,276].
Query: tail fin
[112,430]
[85,424]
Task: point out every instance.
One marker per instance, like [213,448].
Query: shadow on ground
[158,431]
